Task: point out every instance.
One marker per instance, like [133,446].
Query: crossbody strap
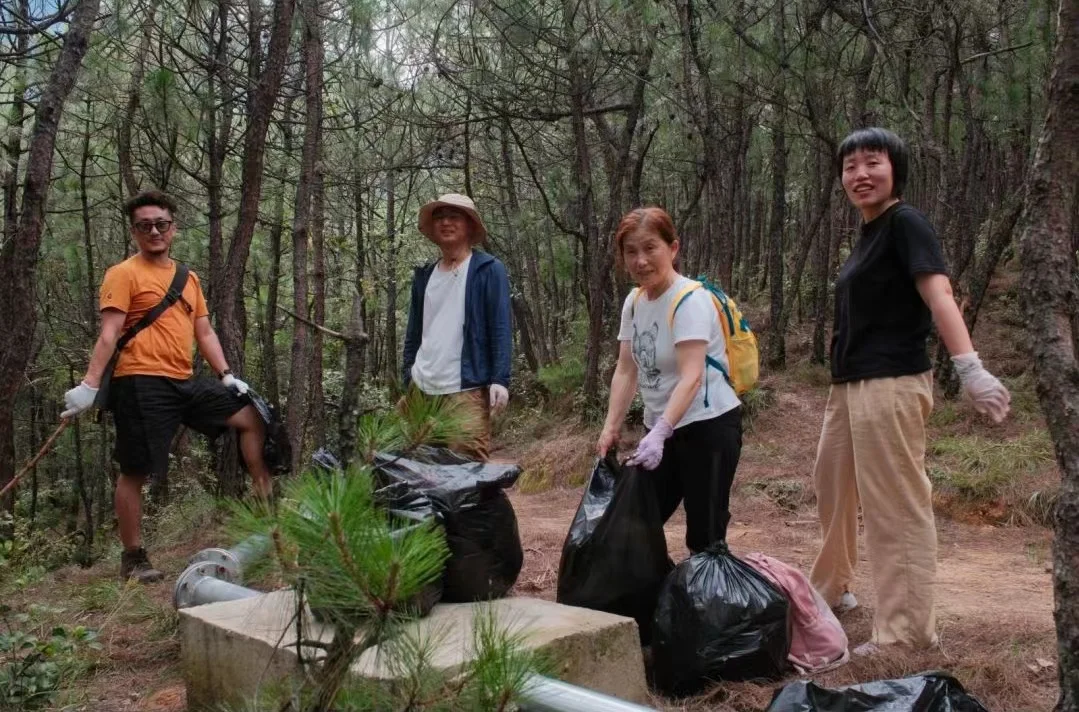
[175,294]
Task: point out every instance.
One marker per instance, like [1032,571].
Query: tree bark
[217,140]
[311,50]
[777,350]
[1050,299]
[390,348]
[317,413]
[231,319]
[19,256]
[134,93]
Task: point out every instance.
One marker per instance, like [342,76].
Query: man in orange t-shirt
[152,389]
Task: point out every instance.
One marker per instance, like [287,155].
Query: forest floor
[994,587]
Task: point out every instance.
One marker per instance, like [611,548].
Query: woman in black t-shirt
[891,291]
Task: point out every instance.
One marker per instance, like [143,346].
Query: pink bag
[818,641]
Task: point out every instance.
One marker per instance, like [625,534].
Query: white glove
[234,384]
[78,399]
[499,397]
[989,395]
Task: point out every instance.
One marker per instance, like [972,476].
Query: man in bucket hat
[458,340]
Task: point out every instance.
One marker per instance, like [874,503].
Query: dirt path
[997,575]
[994,586]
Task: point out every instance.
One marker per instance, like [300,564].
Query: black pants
[148,410]
[698,467]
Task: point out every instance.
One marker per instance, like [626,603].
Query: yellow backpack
[740,342]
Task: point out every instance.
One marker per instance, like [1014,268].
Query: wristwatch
[224,373]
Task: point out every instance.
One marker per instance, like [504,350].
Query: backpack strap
[636,293]
[174,294]
[681,296]
[721,311]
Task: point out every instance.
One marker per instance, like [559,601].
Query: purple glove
[650,449]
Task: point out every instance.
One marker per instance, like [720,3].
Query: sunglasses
[144,228]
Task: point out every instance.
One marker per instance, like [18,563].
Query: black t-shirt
[881,322]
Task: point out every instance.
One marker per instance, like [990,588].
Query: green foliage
[29,554]
[562,378]
[377,432]
[977,469]
[360,570]
[34,665]
[755,402]
[350,558]
[438,420]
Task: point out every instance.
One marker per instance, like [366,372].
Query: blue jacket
[488,345]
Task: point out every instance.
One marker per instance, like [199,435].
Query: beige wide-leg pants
[872,451]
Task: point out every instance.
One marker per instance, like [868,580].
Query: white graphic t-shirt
[647,327]
[437,370]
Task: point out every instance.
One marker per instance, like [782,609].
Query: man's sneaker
[134,564]
[847,602]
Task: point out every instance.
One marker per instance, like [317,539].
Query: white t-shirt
[437,369]
[648,329]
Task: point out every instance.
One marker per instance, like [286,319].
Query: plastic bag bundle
[928,692]
[615,555]
[718,619]
[481,526]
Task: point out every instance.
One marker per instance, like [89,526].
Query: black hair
[878,139]
[149,197]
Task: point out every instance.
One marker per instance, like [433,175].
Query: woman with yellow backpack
[685,346]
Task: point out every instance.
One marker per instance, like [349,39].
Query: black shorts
[148,410]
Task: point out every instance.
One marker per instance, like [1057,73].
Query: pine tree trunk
[1050,298]
[19,256]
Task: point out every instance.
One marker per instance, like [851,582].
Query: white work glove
[234,384]
[499,397]
[988,394]
[78,399]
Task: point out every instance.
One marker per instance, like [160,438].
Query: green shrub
[34,665]
[563,378]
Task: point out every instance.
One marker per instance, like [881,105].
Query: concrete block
[230,649]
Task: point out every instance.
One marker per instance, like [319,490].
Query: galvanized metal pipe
[198,585]
[544,694]
[234,560]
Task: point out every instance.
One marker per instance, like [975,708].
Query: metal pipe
[198,585]
[235,559]
[544,694]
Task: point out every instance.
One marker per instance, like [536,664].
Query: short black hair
[148,197]
[878,139]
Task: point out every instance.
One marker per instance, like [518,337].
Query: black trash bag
[718,619]
[481,527]
[325,461]
[408,508]
[615,555]
[276,450]
[928,692]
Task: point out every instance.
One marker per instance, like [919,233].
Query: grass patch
[564,459]
[754,403]
[972,470]
[944,414]
[811,374]
[1025,404]
[788,495]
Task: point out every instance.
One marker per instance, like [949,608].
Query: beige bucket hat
[453,200]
